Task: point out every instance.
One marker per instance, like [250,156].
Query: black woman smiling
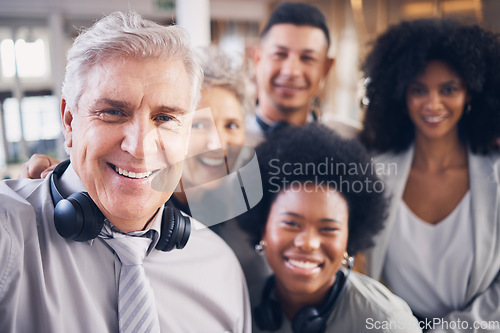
[308,225]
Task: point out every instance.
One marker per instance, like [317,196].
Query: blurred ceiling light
[419,9]
[433,8]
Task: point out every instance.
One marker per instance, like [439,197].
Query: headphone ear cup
[77,217]
[175,230]
[308,320]
[311,319]
[268,315]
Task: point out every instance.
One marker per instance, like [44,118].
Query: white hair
[220,70]
[128,35]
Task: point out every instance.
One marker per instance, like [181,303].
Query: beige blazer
[483,292]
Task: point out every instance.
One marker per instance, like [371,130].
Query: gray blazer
[366,306]
[483,292]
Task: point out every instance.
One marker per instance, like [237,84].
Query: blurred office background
[35,35]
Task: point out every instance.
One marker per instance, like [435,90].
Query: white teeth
[212,161]
[290,87]
[303,264]
[123,172]
[130,174]
[435,119]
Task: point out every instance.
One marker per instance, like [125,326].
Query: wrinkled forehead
[174,65]
[130,84]
[119,73]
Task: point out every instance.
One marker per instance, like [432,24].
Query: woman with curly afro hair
[434,110]
[322,203]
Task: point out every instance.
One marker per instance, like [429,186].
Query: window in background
[40,125]
[30,52]
[30,113]
[40,117]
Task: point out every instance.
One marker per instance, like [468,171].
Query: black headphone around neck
[310,319]
[78,217]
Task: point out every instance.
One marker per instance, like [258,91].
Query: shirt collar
[265,123]
[109,230]
[70,182]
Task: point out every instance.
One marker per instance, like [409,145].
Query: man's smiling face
[132,121]
[290,62]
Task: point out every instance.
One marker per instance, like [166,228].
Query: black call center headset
[309,319]
[78,217]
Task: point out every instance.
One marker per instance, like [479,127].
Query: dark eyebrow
[284,48]
[416,82]
[281,47]
[293,214]
[324,220]
[451,82]
[330,220]
[309,51]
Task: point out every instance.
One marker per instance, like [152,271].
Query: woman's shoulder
[363,287]
[485,164]
[375,307]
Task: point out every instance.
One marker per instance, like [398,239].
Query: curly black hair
[317,154]
[402,53]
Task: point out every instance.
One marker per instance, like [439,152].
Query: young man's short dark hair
[297,13]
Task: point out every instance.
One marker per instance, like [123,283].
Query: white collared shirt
[52,284]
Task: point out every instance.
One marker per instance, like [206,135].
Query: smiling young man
[130,89]
[291,64]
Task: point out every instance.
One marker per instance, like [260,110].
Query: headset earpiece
[78,217]
[308,320]
[175,230]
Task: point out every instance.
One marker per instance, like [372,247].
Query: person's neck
[127,226]
[272,113]
[291,303]
[440,154]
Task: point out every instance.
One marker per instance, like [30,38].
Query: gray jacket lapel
[484,175]
[396,184]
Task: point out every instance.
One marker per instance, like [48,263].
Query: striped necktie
[136,303]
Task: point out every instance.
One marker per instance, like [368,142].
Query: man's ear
[67,123]
[329,62]
[328,65]
[256,54]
